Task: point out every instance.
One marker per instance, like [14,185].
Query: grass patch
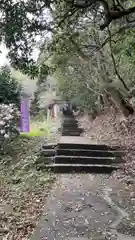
[35,133]
[39,127]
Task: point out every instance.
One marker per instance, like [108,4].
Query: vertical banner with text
[58,108]
[25,115]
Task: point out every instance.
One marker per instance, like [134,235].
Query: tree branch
[113,15]
[114,63]
[87,85]
[79,51]
[65,16]
[85,4]
[122,29]
[110,15]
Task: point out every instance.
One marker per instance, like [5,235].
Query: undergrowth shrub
[9,119]
[10,89]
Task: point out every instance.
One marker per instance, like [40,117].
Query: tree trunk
[102,103]
[123,104]
[105,78]
[126,107]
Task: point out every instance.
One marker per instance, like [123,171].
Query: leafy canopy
[22,21]
[10,90]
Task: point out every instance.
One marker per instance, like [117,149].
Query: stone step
[70,134]
[70,122]
[72,129]
[85,146]
[49,146]
[70,126]
[80,168]
[70,119]
[75,154]
[48,152]
[87,152]
[86,160]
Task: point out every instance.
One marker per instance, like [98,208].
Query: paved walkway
[74,211]
[79,208]
[75,140]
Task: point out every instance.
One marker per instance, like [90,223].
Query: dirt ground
[23,188]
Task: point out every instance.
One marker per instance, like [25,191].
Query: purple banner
[25,117]
[58,108]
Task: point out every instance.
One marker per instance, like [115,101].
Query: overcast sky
[4,51]
[3,59]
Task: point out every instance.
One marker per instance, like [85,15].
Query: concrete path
[75,210]
[79,208]
[74,140]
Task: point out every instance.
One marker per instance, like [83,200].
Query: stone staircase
[78,156]
[70,127]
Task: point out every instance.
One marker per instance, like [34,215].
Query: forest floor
[82,206]
[112,129]
[23,189]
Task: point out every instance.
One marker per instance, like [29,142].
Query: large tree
[82,27]
[21,21]
[83,39]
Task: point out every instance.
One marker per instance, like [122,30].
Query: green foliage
[39,127]
[72,84]
[9,116]
[36,133]
[99,61]
[22,21]
[10,89]
[19,76]
[76,41]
